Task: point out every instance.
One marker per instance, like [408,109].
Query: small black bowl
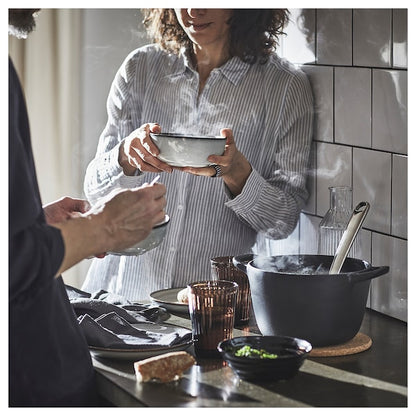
[291,352]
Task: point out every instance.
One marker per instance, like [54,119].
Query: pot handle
[241,261]
[366,274]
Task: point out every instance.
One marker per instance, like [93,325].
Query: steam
[188,120]
[193,125]
[288,265]
[331,172]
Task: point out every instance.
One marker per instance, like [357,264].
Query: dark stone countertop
[373,378]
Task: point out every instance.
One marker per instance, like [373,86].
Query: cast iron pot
[323,309]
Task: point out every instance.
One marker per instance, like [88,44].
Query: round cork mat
[359,343]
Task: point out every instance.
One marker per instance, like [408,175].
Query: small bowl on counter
[183,150]
[265,358]
[153,240]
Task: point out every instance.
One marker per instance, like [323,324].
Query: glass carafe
[335,221]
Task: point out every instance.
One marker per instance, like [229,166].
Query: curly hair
[253,32]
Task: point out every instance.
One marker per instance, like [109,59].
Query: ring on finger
[218,171]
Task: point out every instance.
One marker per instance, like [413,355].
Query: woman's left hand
[233,167]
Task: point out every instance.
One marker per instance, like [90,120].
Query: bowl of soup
[182,150]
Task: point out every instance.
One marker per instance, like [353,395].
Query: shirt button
[180,207]
[172,249]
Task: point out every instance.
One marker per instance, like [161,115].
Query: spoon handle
[348,236]
[155,179]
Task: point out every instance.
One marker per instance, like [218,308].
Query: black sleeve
[36,249]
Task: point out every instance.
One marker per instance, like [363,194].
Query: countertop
[373,378]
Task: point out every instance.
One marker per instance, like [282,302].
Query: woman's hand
[65,208]
[235,168]
[137,151]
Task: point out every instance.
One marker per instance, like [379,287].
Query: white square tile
[309,234]
[363,245]
[322,82]
[353,106]
[390,110]
[334,164]
[363,251]
[372,183]
[399,196]
[372,37]
[334,36]
[400,38]
[299,45]
[389,292]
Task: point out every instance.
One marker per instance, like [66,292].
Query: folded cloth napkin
[112,331]
[102,302]
[110,321]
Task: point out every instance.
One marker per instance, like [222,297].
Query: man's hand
[64,209]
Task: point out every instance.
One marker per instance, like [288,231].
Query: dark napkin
[112,331]
[110,321]
[102,302]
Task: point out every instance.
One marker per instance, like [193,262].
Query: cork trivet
[359,343]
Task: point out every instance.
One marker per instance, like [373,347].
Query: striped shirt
[269,108]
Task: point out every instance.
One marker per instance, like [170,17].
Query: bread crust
[182,295]
[165,368]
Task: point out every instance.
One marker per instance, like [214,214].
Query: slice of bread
[165,368]
[182,295]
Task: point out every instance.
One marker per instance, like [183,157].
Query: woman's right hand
[137,151]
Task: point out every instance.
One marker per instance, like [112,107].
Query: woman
[211,71]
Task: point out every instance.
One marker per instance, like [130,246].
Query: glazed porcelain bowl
[153,240]
[187,150]
[289,352]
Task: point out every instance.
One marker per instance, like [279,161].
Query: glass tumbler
[212,311]
[222,268]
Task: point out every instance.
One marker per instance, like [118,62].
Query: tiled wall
[357,64]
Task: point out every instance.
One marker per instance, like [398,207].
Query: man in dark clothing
[49,360]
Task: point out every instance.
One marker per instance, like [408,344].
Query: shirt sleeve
[104,173]
[36,249]
[272,205]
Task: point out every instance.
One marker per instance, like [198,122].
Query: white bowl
[187,150]
[154,239]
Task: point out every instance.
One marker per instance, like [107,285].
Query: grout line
[333,104]
[391,38]
[309,214]
[371,106]
[316,36]
[352,172]
[361,147]
[352,37]
[391,194]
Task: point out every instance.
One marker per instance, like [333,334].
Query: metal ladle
[349,236]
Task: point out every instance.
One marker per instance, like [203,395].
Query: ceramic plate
[136,354]
[142,353]
[167,298]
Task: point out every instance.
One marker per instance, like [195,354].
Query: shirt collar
[234,69]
